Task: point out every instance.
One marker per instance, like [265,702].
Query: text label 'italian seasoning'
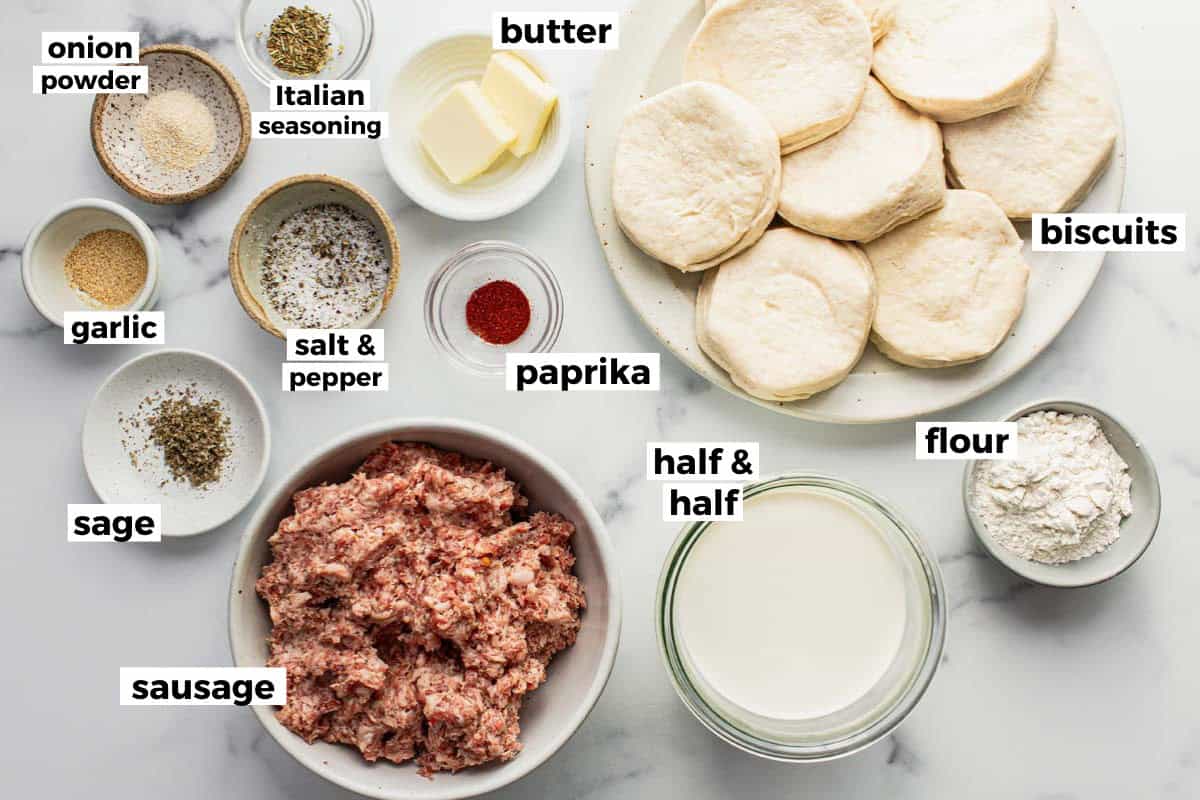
[314,109]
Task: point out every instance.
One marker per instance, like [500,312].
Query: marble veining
[1091,693]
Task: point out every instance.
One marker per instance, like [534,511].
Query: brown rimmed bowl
[118,145]
[263,217]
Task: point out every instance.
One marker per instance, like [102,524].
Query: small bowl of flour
[1079,504]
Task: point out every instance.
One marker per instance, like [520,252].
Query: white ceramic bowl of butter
[511,182]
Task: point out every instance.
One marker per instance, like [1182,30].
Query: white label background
[1011,446]
[523,18]
[132,38]
[111,510]
[513,361]
[693,490]
[340,368]
[353,338]
[346,86]
[159,318]
[272,117]
[1092,220]
[725,469]
[88,69]
[276,675]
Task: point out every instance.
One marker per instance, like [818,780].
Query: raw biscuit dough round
[881,14]
[790,316]
[696,175]
[880,171]
[960,59]
[1046,155]
[804,63]
[951,284]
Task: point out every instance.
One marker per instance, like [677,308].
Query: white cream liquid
[796,612]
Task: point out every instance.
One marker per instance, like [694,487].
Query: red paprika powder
[498,312]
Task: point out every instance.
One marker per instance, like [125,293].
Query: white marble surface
[1091,693]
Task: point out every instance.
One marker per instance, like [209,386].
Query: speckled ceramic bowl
[267,212]
[118,144]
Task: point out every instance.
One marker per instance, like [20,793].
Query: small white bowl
[511,182]
[44,258]
[1137,531]
[186,510]
[576,676]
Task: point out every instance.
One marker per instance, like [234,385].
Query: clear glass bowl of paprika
[489,299]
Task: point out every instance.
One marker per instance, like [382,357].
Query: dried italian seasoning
[298,41]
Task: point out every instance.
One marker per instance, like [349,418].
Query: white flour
[1063,499]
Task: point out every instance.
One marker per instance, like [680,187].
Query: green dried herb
[194,437]
[298,41]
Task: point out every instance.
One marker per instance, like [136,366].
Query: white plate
[508,184]
[576,676]
[186,510]
[655,34]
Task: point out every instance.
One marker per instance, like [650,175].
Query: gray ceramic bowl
[1137,531]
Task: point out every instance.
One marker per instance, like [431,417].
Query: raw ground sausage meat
[415,605]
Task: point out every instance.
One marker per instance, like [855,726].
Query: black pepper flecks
[325,267]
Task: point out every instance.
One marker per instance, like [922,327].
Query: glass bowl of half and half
[807,631]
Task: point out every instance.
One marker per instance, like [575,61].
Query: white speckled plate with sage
[123,468]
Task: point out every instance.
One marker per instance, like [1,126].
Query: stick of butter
[524,99]
[464,133]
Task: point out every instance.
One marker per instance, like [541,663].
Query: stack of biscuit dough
[896,139]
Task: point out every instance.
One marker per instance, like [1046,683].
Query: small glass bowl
[869,718]
[468,269]
[351,31]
